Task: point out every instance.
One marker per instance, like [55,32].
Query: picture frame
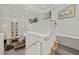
[67,12]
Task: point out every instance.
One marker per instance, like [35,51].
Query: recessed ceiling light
[25,12]
[15,10]
[22,25]
[27,9]
[43,6]
[4,25]
[14,20]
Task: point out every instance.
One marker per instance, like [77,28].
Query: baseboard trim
[67,36]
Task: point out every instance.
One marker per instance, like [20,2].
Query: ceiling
[40,7]
[25,10]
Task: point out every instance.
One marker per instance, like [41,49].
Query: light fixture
[14,20]
[15,10]
[24,34]
[22,25]
[4,25]
[43,6]
[27,9]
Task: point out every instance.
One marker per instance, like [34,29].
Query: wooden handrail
[34,44]
[54,48]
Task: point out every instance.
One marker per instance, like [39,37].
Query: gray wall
[68,26]
[5,25]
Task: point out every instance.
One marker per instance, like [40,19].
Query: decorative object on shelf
[33,20]
[14,29]
[30,20]
[66,12]
[12,35]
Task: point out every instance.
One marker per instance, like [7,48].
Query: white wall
[1,44]
[40,31]
[69,26]
[0,26]
[5,25]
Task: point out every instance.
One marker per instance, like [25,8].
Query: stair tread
[74,51]
[63,52]
[67,41]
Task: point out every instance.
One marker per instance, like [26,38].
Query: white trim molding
[67,36]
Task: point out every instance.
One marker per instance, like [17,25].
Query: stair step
[69,42]
[63,52]
[69,49]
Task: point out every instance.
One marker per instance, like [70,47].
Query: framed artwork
[66,12]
